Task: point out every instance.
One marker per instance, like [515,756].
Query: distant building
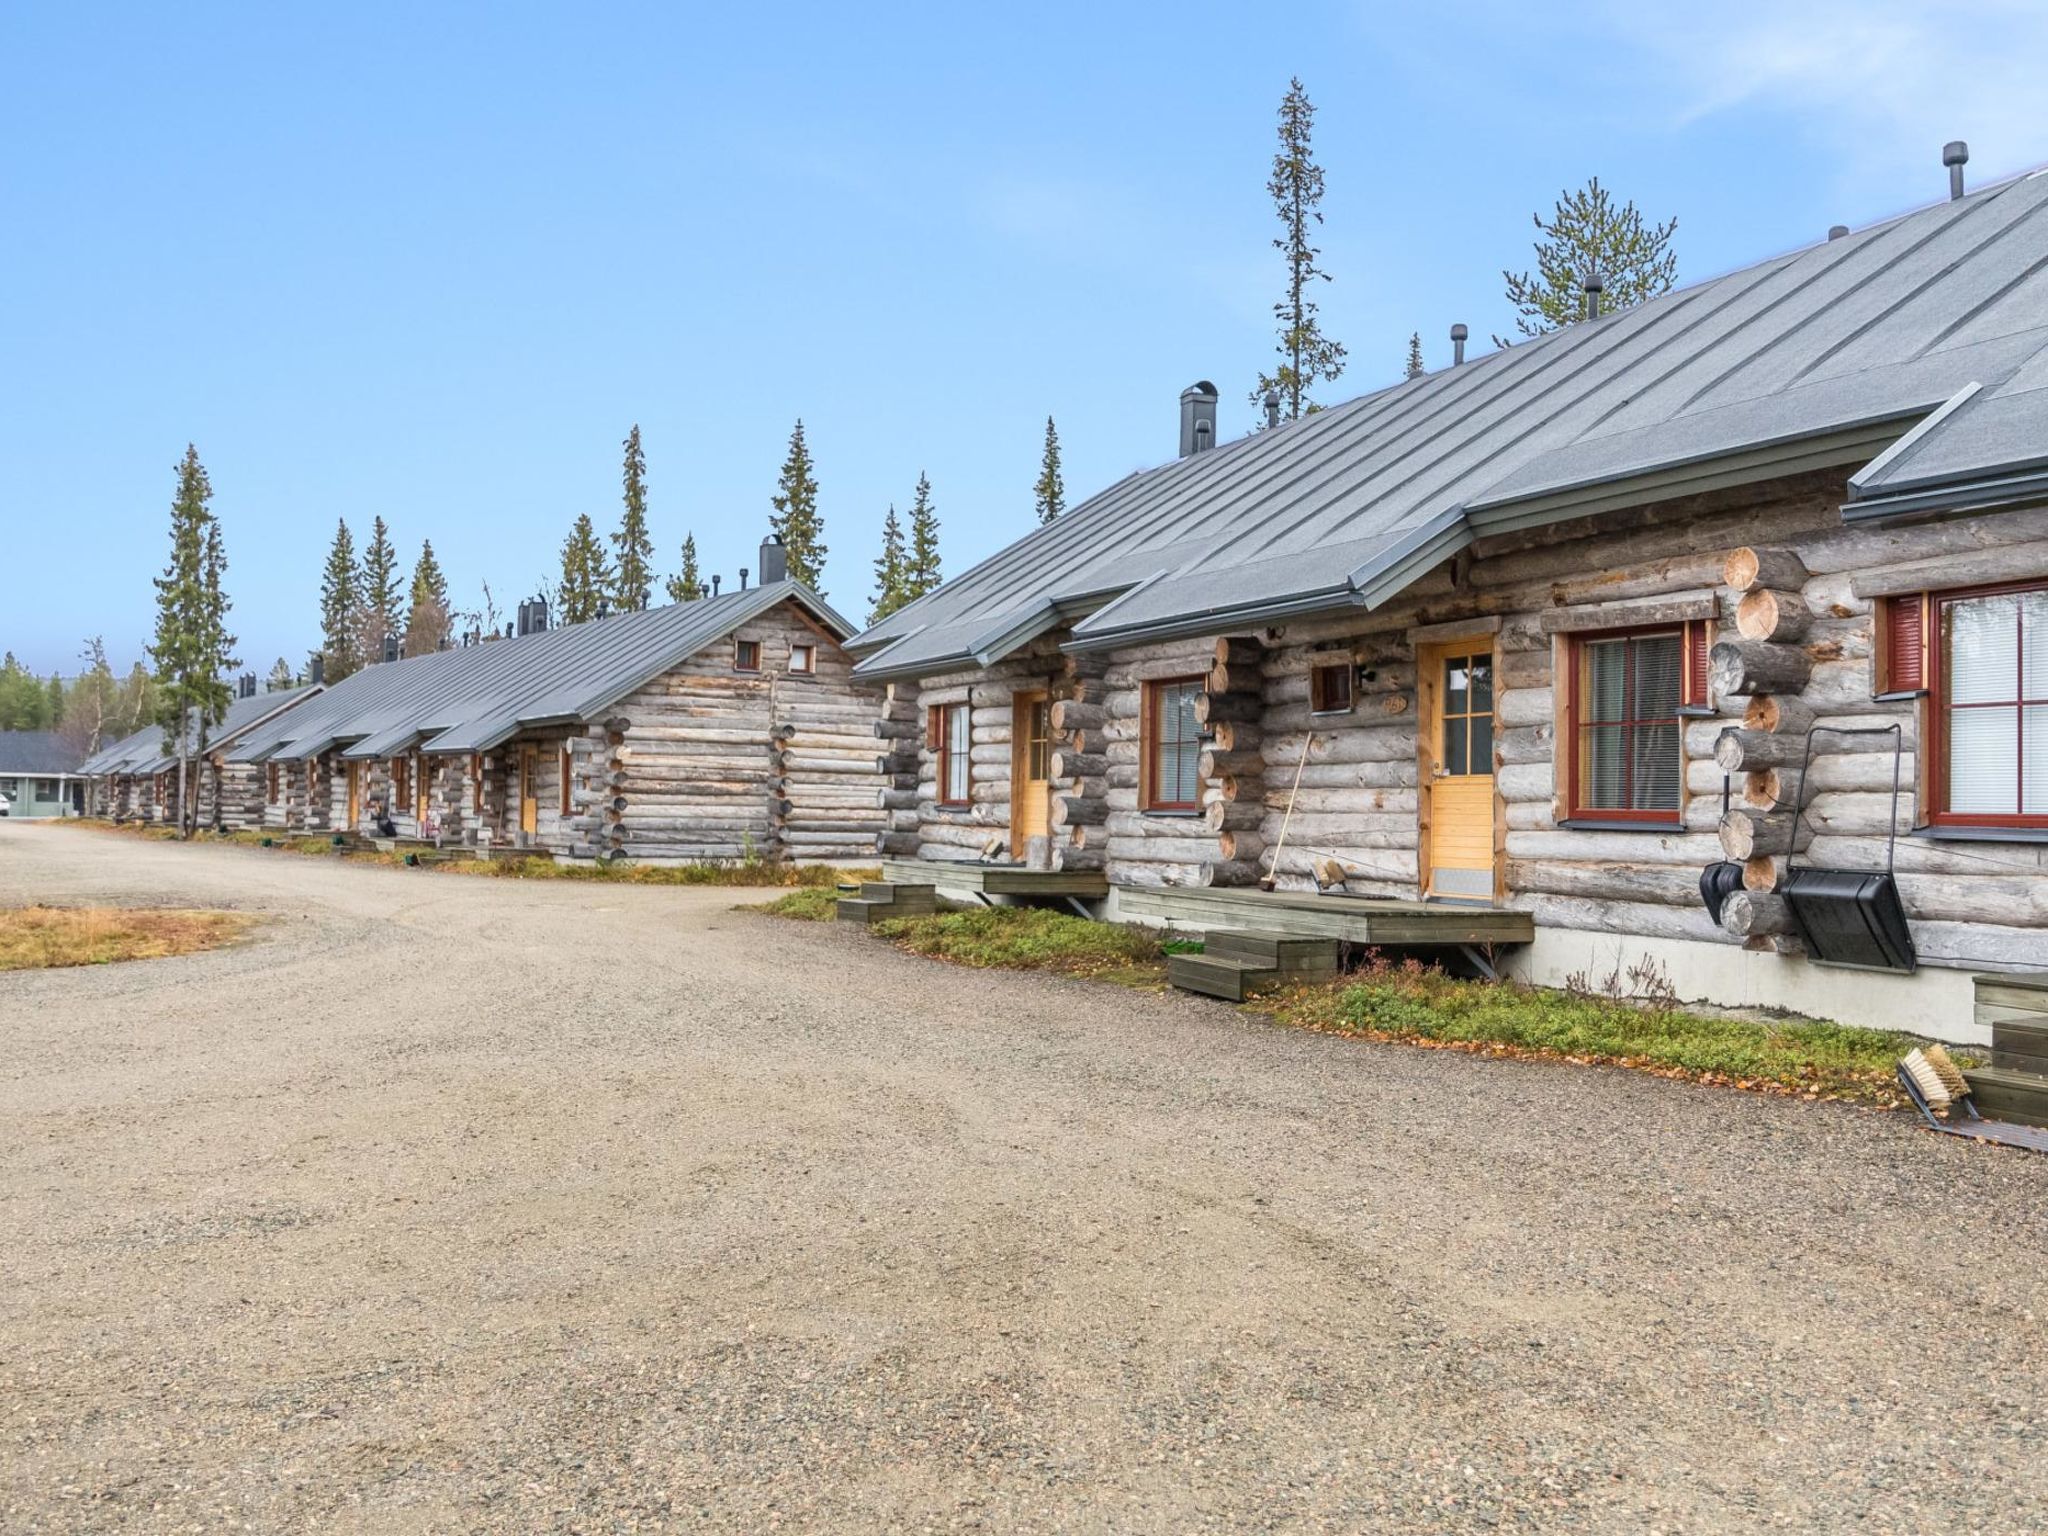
[39,775]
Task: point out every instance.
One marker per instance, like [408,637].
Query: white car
[6,802]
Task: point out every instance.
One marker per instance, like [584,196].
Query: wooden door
[529,808]
[1456,729]
[1030,769]
[355,793]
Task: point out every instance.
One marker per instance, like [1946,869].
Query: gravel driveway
[455,1204]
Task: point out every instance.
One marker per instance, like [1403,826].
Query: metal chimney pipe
[1837,231]
[1197,417]
[1458,335]
[1592,283]
[1272,407]
[714,584]
[1955,155]
[743,578]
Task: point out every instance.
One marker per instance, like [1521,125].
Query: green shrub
[1031,939]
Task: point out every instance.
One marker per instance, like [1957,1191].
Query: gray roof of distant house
[143,752]
[38,754]
[1825,356]
[475,697]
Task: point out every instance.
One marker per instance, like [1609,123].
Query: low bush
[1032,939]
[1414,1003]
[738,872]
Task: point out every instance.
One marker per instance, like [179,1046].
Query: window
[746,655]
[1329,687]
[803,658]
[1466,709]
[951,734]
[1173,745]
[46,789]
[271,779]
[1627,690]
[1989,708]
[567,806]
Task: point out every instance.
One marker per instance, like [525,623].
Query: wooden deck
[1305,914]
[996,879]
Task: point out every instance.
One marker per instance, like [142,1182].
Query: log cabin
[1503,658]
[136,778]
[725,728]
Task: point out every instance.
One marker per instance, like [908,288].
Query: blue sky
[432,262]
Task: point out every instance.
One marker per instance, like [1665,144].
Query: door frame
[353,775]
[1020,754]
[1429,657]
[529,807]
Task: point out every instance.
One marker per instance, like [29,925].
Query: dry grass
[38,938]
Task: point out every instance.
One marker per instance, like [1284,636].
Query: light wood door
[1455,721]
[1030,769]
[355,794]
[529,808]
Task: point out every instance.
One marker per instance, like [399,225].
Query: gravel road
[467,1205]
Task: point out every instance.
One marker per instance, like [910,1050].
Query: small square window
[803,658]
[746,655]
[1329,688]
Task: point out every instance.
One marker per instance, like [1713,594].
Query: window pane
[2034,761]
[1455,701]
[1454,746]
[1653,751]
[1185,726]
[2034,638]
[1604,680]
[1983,769]
[1981,649]
[1482,685]
[1600,758]
[1481,749]
[1657,663]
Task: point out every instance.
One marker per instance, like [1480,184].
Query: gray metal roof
[143,752]
[1827,355]
[473,698]
[38,754]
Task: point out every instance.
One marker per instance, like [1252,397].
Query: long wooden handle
[1281,846]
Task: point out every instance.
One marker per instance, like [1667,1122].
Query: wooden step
[2021,1047]
[2003,1094]
[879,900]
[1277,951]
[1218,976]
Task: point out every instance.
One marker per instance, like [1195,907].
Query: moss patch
[1415,1004]
[39,938]
[1032,939]
[813,904]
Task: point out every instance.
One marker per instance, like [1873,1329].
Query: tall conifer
[586,578]
[796,521]
[891,570]
[1586,233]
[921,569]
[1415,366]
[191,647]
[382,600]
[1049,493]
[1306,354]
[687,585]
[633,569]
[340,601]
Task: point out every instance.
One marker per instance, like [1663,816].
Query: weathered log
[1748,568]
[1744,913]
[1765,872]
[1073,715]
[1757,666]
[1231,736]
[1215,764]
[1738,751]
[1227,872]
[1240,847]
[1665,884]
[1766,614]
[1214,707]
[1744,834]
[1976,568]
[1778,712]
[1076,765]
[1072,811]
[1238,651]
[1233,815]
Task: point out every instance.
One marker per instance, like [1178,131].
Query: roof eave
[2029,487]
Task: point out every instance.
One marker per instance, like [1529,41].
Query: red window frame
[1934,612]
[1155,741]
[746,655]
[1692,645]
[938,731]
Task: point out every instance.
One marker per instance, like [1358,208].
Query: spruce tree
[22,700]
[892,570]
[183,646]
[54,715]
[382,611]
[281,677]
[686,586]
[1415,368]
[217,646]
[796,521]
[921,569]
[586,580]
[1307,355]
[429,622]
[340,601]
[1587,233]
[633,572]
[1049,493]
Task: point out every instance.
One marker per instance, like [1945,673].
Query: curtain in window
[959,739]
